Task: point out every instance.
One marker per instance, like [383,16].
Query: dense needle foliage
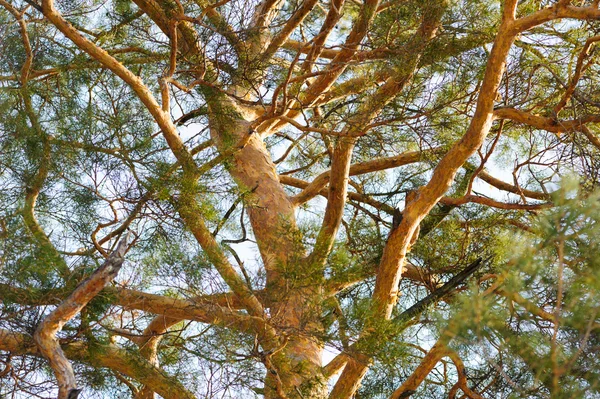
[272,161]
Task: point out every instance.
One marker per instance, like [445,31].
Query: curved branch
[110,356]
[45,334]
[292,23]
[394,255]
[137,85]
[579,69]
[409,386]
[32,191]
[406,158]
[501,185]
[557,11]
[462,378]
[551,125]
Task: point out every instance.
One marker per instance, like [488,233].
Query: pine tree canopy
[299,199]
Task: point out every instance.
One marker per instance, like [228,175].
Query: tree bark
[45,334]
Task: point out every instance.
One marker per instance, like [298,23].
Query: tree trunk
[298,372]
[293,291]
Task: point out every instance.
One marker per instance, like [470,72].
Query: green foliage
[553,274]
[110,170]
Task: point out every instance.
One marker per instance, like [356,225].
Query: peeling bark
[385,294]
[297,363]
[45,334]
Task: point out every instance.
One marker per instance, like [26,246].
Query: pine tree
[299,199]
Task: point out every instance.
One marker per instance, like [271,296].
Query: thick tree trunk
[297,374]
[270,211]
[293,291]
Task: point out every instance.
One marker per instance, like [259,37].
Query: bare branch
[375,165]
[45,334]
[579,68]
[410,385]
[551,124]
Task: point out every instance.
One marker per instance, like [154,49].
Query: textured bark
[294,302]
[45,334]
[108,356]
[286,316]
[148,345]
[388,277]
[336,199]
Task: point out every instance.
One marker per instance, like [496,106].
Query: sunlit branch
[109,356]
[45,333]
